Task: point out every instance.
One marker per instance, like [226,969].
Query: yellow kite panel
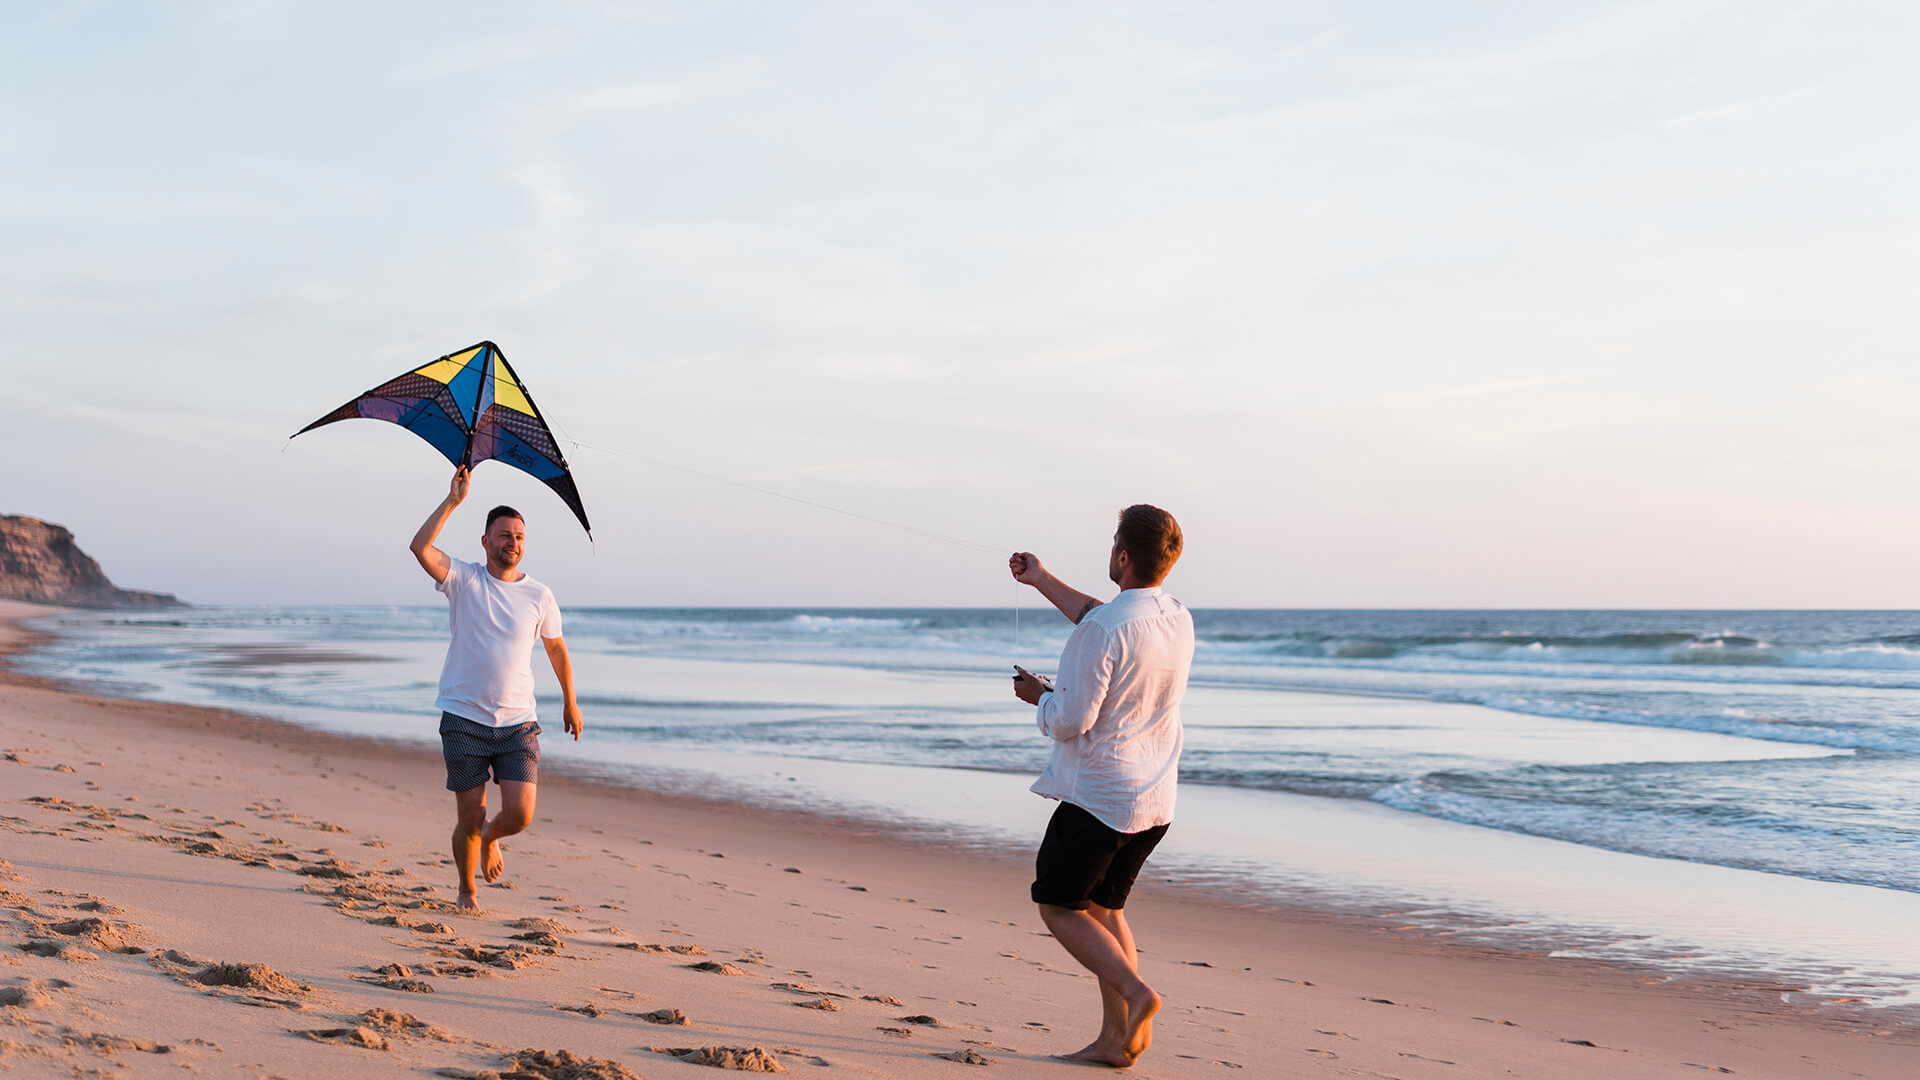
[507,392]
[444,370]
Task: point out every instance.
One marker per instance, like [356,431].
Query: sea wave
[1684,648]
[851,622]
[1604,807]
[1834,732]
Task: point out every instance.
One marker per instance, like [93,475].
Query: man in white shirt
[487,724]
[1114,717]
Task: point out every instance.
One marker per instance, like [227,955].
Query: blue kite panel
[509,448]
[466,386]
[425,418]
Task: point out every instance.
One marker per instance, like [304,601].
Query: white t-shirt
[1115,715]
[488,676]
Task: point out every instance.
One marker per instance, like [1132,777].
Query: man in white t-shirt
[1114,719]
[487,726]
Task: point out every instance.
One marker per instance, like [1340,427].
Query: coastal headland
[184,887]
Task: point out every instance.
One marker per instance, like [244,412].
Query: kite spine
[487,350]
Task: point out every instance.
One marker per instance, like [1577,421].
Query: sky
[1391,304]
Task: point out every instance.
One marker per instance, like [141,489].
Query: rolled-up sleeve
[1086,667]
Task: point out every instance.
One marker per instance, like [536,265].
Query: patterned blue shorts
[473,751]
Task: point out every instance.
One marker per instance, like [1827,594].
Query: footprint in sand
[738,1058]
[107,1045]
[56,950]
[404,1025]
[714,968]
[32,994]
[401,983]
[508,957]
[446,970]
[551,926]
[549,1065]
[97,932]
[248,977]
[653,948]
[365,1038]
[250,984]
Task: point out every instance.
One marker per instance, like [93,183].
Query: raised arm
[1072,603]
[432,559]
[563,671]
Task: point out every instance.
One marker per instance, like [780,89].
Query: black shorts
[1082,861]
[473,751]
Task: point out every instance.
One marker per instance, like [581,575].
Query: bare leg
[1103,944]
[1113,1007]
[516,813]
[470,819]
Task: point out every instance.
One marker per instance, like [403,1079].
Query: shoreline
[1482,1009]
[1209,888]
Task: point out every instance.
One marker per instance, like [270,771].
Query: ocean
[1780,742]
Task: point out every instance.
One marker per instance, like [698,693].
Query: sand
[190,889]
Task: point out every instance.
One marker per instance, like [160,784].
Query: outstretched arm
[432,559]
[563,671]
[1072,603]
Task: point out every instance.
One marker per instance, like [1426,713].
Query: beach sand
[188,889]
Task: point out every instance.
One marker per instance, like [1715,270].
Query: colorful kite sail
[472,408]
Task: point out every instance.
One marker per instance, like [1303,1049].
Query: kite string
[1016,622]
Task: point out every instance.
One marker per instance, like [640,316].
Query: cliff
[40,563]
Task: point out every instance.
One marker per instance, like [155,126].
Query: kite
[471,407]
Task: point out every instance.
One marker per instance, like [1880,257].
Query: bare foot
[1140,1012]
[1095,1053]
[469,903]
[492,866]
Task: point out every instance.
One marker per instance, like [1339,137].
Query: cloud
[1740,108]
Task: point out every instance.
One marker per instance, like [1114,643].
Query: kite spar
[471,407]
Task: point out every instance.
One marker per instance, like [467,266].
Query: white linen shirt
[488,676]
[1114,714]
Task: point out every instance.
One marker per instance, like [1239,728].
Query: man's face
[505,542]
[1113,560]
